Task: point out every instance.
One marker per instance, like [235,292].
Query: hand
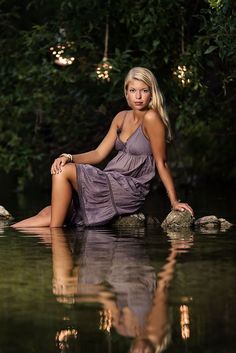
[58,164]
[181,206]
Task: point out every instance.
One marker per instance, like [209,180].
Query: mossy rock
[211,223]
[136,220]
[177,220]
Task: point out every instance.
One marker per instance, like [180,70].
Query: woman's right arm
[97,155]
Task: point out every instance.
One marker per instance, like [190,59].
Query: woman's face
[138,95]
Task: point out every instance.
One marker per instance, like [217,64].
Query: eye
[146,90]
[132,90]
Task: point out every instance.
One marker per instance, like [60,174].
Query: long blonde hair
[157,101]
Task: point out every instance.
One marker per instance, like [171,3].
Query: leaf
[210,49]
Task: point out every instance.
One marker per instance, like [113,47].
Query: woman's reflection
[102,267]
[116,272]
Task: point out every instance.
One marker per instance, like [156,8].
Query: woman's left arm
[155,130]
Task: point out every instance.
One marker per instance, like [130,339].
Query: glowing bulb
[103,70]
[59,53]
[181,73]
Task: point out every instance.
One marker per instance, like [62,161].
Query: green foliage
[205,119]
[46,109]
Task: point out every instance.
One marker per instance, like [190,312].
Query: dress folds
[120,188]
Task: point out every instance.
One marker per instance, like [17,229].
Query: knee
[68,172]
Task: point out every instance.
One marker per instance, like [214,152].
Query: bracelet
[68,156]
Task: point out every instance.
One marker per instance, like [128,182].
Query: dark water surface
[106,290]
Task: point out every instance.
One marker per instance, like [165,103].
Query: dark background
[47,109]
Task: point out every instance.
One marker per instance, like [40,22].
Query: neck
[139,114]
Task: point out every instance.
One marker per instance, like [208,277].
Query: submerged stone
[136,220]
[133,220]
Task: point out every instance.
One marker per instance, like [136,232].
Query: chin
[141,109]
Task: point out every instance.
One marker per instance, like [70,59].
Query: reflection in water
[184,322]
[64,337]
[182,242]
[99,266]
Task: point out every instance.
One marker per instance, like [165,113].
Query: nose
[138,94]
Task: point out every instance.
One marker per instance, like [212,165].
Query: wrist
[68,156]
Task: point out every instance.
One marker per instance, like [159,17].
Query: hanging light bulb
[60,56]
[62,51]
[104,67]
[182,74]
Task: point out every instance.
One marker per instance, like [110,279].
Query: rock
[212,223]
[224,224]
[176,220]
[208,222]
[134,220]
[4,214]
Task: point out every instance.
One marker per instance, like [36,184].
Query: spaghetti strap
[121,187]
[122,124]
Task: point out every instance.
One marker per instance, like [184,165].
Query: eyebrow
[140,88]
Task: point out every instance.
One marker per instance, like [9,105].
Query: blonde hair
[157,101]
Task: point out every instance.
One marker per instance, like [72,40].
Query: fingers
[57,165]
[184,206]
[188,208]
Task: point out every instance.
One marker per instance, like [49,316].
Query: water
[107,290]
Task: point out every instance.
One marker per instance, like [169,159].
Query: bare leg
[62,186]
[54,216]
[42,219]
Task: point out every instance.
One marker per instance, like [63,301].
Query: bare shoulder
[118,119]
[152,119]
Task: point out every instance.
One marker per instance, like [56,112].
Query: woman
[139,135]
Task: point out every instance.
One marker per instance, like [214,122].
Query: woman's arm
[105,147]
[97,155]
[156,132]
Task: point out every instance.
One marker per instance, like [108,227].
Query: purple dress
[120,188]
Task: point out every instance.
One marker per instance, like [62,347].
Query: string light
[104,67]
[103,70]
[182,74]
[59,54]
